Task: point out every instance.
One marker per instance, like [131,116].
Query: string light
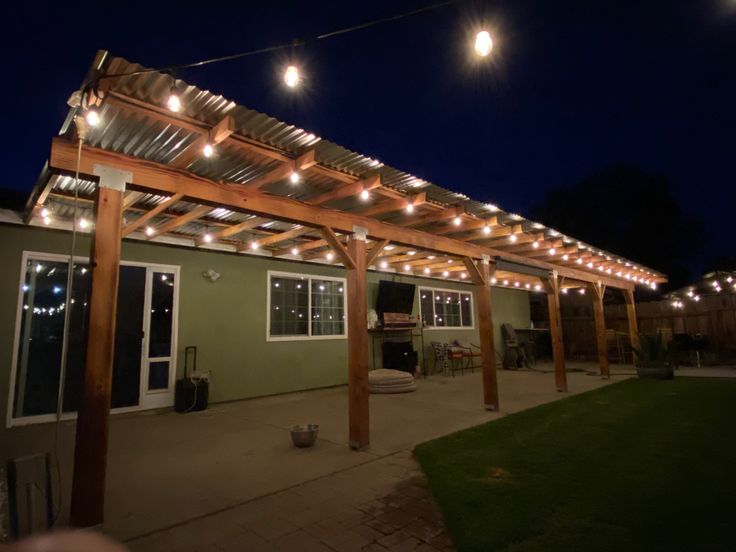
[411,252]
[174,102]
[516,284]
[427,271]
[505,282]
[149,231]
[457,221]
[294,251]
[407,268]
[331,255]
[581,291]
[566,257]
[365,195]
[207,238]
[291,76]
[294,177]
[208,150]
[512,238]
[535,245]
[564,291]
[486,230]
[92,117]
[552,251]
[83,223]
[483,43]
[493,280]
[254,245]
[463,275]
[47,220]
[410,208]
[45,212]
[445,274]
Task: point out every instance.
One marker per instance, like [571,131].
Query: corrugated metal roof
[131,133]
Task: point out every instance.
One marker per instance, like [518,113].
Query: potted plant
[653,358]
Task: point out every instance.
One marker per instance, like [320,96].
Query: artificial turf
[638,465]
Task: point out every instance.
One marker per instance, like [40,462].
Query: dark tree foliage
[632,212]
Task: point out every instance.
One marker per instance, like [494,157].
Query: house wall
[226,319]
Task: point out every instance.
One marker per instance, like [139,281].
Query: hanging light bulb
[493,280]
[407,267]
[463,275]
[254,245]
[83,223]
[427,271]
[483,43]
[47,220]
[552,251]
[512,238]
[486,230]
[410,208]
[330,256]
[365,195]
[294,251]
[207,238]
[92,117]
[383,264]
[174,102]
[45,212]
[566,257]
[149,231]
[291,76]
[535,245]
[294,177]
[208,150]
[445,274]
[457,221]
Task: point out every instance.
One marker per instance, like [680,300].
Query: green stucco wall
[226,320]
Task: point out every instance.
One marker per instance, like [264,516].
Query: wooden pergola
[279,191]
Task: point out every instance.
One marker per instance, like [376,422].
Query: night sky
[570,88]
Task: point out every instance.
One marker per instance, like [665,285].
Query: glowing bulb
[486,230]
[174,103]
[527,286]
[535,245]
[564,290]
[493,280]
[537,287]
[254,245]
[330,256]
[445,274]
[552,251]
[294,251]
[516,284]
[566,257]
[294,177]
[291,76]
[579,260]
[505,282]
[208,150]
[426,271]
[590,265]
[83,223]
[512,238]
[383,264]
[208,238]
[457,221]
[581,291]
[407,268]
[45,212]
[483,43]
[364,195]
[47,220]
[92,117]
[463,275]
[149,231]
[410,208]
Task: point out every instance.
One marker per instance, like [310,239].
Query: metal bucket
[304,436]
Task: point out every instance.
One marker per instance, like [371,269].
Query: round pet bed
[390,381]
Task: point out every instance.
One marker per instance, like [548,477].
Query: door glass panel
[162,315]
[158,375]
[126,374]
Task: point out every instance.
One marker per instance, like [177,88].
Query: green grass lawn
[638,465]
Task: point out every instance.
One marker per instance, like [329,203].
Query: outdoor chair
[451,358]
[470,352]
[514,353]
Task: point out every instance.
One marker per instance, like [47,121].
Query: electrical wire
[65,338]
[172,69]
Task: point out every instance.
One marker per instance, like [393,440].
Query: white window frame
[433,327]
[13,421]
[308,278]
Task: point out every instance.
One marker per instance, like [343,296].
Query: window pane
[466,309]
[162,314]
[158,375]
[426,306]
[289,306]
[328,307]
[447,308]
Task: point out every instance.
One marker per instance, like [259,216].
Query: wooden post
[631,315]
[90,450]
[598,290]
[552,286]
[481,276]
[358,398]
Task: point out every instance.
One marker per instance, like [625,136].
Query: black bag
[191,394]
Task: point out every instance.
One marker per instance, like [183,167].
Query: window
[303,307]
[445,308]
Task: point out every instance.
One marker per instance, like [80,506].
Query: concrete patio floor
[167,471]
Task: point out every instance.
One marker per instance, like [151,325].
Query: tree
[632,212]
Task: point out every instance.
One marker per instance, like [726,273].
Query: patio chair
[450,357]
[470,352]
[514,353]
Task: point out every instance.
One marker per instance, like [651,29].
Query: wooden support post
[552,286]
[90,450]
[598,290]
[358,398]
[631,315]
[481,276]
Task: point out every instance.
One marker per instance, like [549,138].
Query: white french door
[158,354]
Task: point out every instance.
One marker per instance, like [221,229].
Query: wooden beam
[130,199]
[599,319]
[168,226]
[358,398]
[346,190]
[239,227]
[145,217]
[475,273]
[90,449]
[390,205]
[375,252]
[442,215]
[283,236]
[338,247]
[301,163]
[631,317]
[482,283]
[161,178]
[552,286]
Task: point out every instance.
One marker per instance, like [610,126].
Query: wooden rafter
[217,134]
[346,190]
[338,247]
[194,214]
[145,217]
[301,163]
[375,251]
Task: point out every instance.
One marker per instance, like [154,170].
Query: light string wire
[172,69]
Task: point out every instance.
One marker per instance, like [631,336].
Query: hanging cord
[299,42]
[65,337]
